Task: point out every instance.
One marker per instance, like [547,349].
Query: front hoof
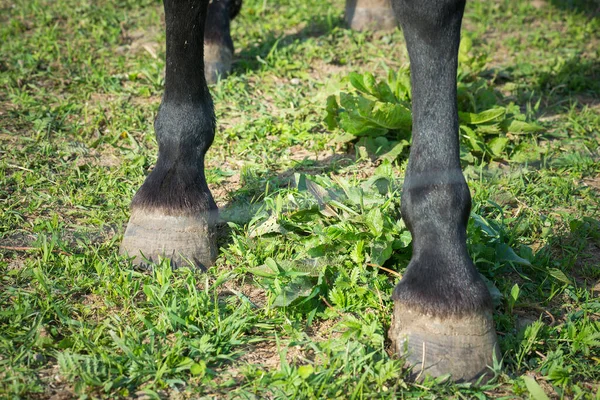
[188,240]
[218,59]
[375,15]
[462,346]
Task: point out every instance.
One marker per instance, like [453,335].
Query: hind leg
[376,15]
[218,45]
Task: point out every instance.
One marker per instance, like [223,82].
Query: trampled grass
[298,304]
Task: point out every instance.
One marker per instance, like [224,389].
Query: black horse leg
[442,312]
[218,45]
[173,214]
[442,309]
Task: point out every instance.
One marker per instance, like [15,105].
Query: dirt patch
[140,40]
[322,330]
[544,384]
[308,162]
[587,262]
[56,386]
[594,183]
[589,101]
[81,155]
[269,354]
[67,243]
[324,71]
[256,295]
[221,191]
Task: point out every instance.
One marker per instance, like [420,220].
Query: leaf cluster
[376,115]
[323,236]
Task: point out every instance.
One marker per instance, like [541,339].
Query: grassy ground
[298,304]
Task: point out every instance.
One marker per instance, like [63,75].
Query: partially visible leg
[218,46]
[442,317]
[173,214]
[376,15]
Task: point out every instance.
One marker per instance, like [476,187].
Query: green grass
[298,304]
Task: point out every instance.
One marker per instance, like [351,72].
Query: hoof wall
[217,62]
[463,347]
[186,240]
[374,15]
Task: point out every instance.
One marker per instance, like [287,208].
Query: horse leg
[442,318]
[173,214]
[218,45]
[375,15]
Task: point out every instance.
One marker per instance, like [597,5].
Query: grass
[298,304]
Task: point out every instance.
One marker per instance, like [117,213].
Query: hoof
[376,15]
[186,240]
[217,62]
[463,347]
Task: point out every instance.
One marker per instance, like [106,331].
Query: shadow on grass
[247,200]
[576,78]
[589,8]
[570,258]
[578,252]
[251,59]
[574,81]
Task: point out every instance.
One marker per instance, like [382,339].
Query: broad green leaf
[383,175]
[404,240]
[348,102]
[505,253]
[198,369]
[359,126]
[485,226]
[373,146]
[311,266]
[395,151]
[357,81]
[270,226]
[384,93]
[482,117]
[494,291]
[344,138]
[300,286]
[369,81]
[559,276]
[304,371]
[263,271]
[320,194]
[300,181]
[389,116]
[470,135]
[488,129]
[514,293]
[332,109]
[516,126]
[401,85]
[385,170]
[381,251]
[465,155]
[375,222]
[355,195]
[536,391]
[497,145]
[361,114]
